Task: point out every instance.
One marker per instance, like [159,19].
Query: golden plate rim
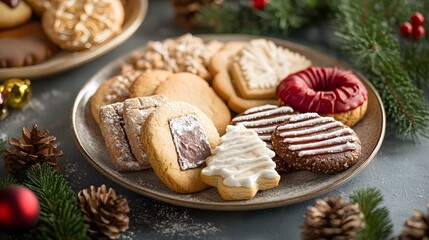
[184,199]
[135,12]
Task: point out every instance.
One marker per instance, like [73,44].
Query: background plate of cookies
[46,40]
[110,99]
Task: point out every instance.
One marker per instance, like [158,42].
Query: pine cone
[333,219]
[33,149]
[105,214]
[186,10]
[417,227]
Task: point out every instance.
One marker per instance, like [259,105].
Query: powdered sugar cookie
[241,165]
[136,111]
[177,138]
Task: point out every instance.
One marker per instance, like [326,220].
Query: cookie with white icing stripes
[264,120]
[241,165]
[318,144]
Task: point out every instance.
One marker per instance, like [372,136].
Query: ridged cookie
[241,165]
[177,138]
[313,143]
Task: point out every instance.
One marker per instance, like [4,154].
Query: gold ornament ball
[17,92]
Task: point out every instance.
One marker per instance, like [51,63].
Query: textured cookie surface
[112,128]
[115,89]
[310,142]
[264,120]
[259,67]
[219,66]
[136,111]
[25,45]
[192,89]
[177,138]
[241,165]
[77,25]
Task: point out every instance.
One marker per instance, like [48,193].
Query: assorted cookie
[29,39]
[177,138]
[172,104]
[241,165]
[313,143]
[327,91]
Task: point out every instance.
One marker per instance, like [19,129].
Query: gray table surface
[400,169]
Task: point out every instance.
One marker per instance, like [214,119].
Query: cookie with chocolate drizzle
[313,143]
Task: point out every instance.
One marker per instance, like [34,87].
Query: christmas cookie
[241,165]
[327,91]
[13,13]
[39,6]
[146,83]
[112,129]
[264,120]
[222,81]
[136,111]
[310,142]
[24,45]
[185,54]
[177,138]
[259,67]
[113,90]
[192,89]
[76,25]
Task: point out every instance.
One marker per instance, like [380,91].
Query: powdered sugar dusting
[170,221]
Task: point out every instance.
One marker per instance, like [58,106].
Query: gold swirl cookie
[76,25]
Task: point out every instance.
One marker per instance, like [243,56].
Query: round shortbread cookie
[192,89]
[14,15]
[177,138]
[147,82]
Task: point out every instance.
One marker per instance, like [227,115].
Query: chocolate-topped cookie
[264,120]
[318,144]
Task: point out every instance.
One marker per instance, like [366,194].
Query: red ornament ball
[417,19]
[406,29]
[418,32]
[259,4]
[19,208]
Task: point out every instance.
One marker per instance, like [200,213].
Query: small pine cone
[333,219]
[186,10]
[105,213]
[33,149]
[417,227]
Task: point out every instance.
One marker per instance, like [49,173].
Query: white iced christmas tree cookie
[241,165]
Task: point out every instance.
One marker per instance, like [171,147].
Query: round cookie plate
[135,12]
[293,187]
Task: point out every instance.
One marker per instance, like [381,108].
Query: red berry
[259,4]
[417,19]
[418,32]
[406,29]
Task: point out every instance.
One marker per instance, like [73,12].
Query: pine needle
[2,147]
[378,223]
[9,180]
[60,217]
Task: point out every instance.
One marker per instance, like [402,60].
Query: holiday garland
[369,33]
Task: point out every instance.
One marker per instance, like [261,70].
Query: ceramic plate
[135,12]
[294,187]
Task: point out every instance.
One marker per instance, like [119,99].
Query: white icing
[241,158]
[260,108]
[310,134]
[264,65]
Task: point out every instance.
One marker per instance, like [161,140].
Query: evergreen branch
[2,146]
[378,223]
[60,217]
[366,36]
[9,180]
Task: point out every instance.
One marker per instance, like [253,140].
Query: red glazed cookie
[310,142]
[327,91]
[24,45]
